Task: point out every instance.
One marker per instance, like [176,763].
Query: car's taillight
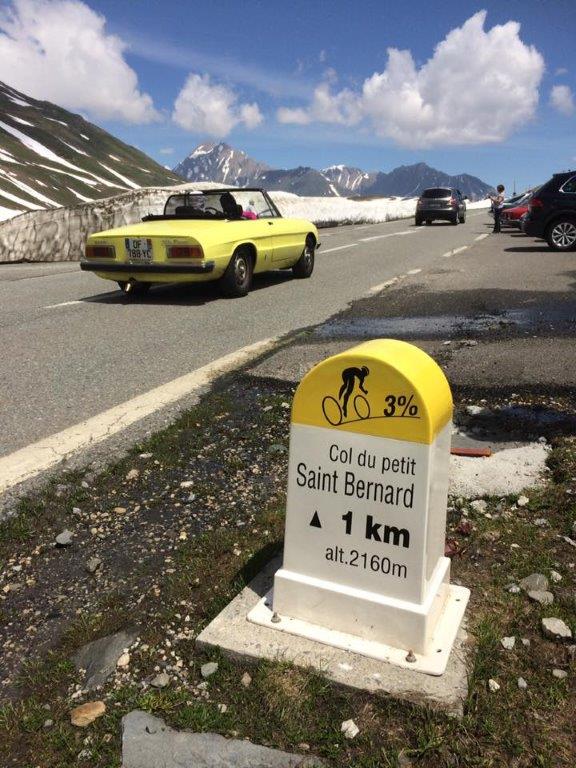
[185,252]
[100,252]
[454,202]
[535,202]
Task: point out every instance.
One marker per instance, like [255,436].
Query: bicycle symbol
[333,414]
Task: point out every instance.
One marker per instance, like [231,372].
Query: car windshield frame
[221,204]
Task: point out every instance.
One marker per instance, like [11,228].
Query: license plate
[138,249]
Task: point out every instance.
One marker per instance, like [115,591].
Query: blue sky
[313,83]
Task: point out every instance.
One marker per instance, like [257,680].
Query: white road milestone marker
[364,566]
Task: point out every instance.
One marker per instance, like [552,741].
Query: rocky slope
[220,163]
[50,157]
[411,180]
[348,181]
[223,164]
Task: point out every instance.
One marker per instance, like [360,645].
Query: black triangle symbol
[315,522]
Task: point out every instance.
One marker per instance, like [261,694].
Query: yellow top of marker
[384,388]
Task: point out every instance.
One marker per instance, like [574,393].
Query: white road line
[453,252]
[481,237]
[381,286]
[413,271]
[390,234]
[339,248]
[30,461]
[64,304]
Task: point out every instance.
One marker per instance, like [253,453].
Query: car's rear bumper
[446,214]
[533,228]
[150,269]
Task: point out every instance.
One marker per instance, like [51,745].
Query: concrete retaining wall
[59,234]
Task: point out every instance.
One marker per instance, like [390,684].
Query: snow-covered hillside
[50,157]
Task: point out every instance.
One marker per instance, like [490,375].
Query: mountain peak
[221,163]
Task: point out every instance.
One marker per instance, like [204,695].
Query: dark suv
[440,203]
[552,212]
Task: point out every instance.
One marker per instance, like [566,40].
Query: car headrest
[229,205]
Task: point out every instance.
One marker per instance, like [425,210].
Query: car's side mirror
[465,197]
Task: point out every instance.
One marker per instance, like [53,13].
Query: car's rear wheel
[463,219]
[237,280]
[428,222]
[133,289]
[418,221]
[305,264]
[561,235]
[456,220]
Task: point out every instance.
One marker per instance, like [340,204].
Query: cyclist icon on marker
[349,376]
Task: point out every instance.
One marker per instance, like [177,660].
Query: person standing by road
[497,202]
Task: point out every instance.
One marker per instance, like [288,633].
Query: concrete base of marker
[244,641]
[432,663]
[358,619]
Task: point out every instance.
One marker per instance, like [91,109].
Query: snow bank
[7,213]
[326,211]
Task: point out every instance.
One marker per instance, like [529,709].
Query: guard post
[364,566]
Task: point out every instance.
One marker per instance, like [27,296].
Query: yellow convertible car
[227,235]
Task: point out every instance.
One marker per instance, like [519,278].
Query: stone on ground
[556,629]
[541,596]
[208,669]
[93,564]
[64,539]
[147,742]
[160,681]
[349,729]
[561,674]
[86,713]
[536,582]
[99,657]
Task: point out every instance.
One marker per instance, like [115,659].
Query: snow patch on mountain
[126,181]
[14,181]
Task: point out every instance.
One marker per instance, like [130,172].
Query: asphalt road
[73,346]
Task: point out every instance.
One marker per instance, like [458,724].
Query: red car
[510,217]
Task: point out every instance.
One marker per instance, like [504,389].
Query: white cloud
[562,99]
[326,107]
[206,107]
[58,50]
[167,151]
[561,71]
[478,87]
